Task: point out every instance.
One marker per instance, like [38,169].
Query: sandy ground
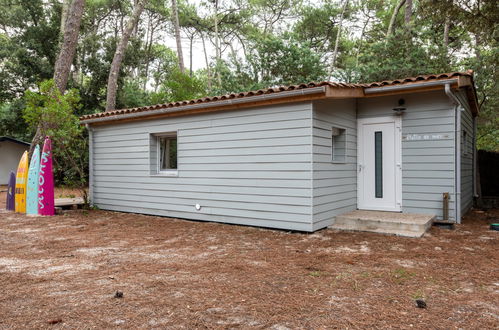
[63,272]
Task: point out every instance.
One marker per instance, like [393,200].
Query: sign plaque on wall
[425,137]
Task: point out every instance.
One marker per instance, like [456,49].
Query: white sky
[198,60]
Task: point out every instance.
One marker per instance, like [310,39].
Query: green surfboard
[32,186]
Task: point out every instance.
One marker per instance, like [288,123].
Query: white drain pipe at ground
[457,188]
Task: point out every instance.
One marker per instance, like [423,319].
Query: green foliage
[179,87]
[273,61]
[53,114]
[164,63]
[11,120]
[27,45]
[133,95]
[486,80]
[285,61]
[262,43]
[400,56]
[236,77]
[53,109]
[318,26]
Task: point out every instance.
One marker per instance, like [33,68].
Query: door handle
[360,167]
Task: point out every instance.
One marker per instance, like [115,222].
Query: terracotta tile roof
[272,90]
[420,78]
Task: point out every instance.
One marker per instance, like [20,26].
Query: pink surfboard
[46,181]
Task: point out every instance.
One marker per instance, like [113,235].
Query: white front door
[379,169]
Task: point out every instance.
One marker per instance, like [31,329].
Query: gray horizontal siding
[153,179]
[250,167]
[156,209]
[334,184]
[255,209]
[275,175]
[185,197]
[272,166]
[467,155]
[191,189]
[428,167]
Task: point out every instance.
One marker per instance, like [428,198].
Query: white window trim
[169,172]
[346,145]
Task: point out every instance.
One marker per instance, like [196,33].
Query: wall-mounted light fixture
[400,109]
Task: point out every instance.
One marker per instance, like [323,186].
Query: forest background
[60,59]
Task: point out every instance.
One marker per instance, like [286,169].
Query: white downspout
[458,164]
[90,164]
[457,188]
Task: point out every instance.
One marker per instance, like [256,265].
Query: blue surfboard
[32,186]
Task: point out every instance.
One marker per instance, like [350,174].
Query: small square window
[338,145]
[167,149]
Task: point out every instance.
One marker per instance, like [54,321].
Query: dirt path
[184,274]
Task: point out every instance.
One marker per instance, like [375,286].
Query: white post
[90,164]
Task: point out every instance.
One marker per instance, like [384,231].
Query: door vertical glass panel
[378,164]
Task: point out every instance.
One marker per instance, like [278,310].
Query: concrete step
[395,223]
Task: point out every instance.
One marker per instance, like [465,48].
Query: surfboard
[46,181]
[21,179]
[32,186]
[11,192]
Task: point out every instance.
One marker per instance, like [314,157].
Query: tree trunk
[447,29]
[176,25]
[82,75]
[112,81]
[69,43]
[208,72]
[64,15]
[217,44]
[147,55]
[150,31]
[62,68]
[446,33]
[234,55]
[338,36]
[478,44]
[361,38]
[394,17]
[408,14]
[191,39]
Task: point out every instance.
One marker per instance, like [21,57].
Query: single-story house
[11,151]
[294,157]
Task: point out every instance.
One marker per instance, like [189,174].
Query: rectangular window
[338,145]
[378,163]
[466,146]
[167,153]
[163,154]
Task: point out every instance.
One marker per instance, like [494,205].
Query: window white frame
[164,172]
[345,131]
